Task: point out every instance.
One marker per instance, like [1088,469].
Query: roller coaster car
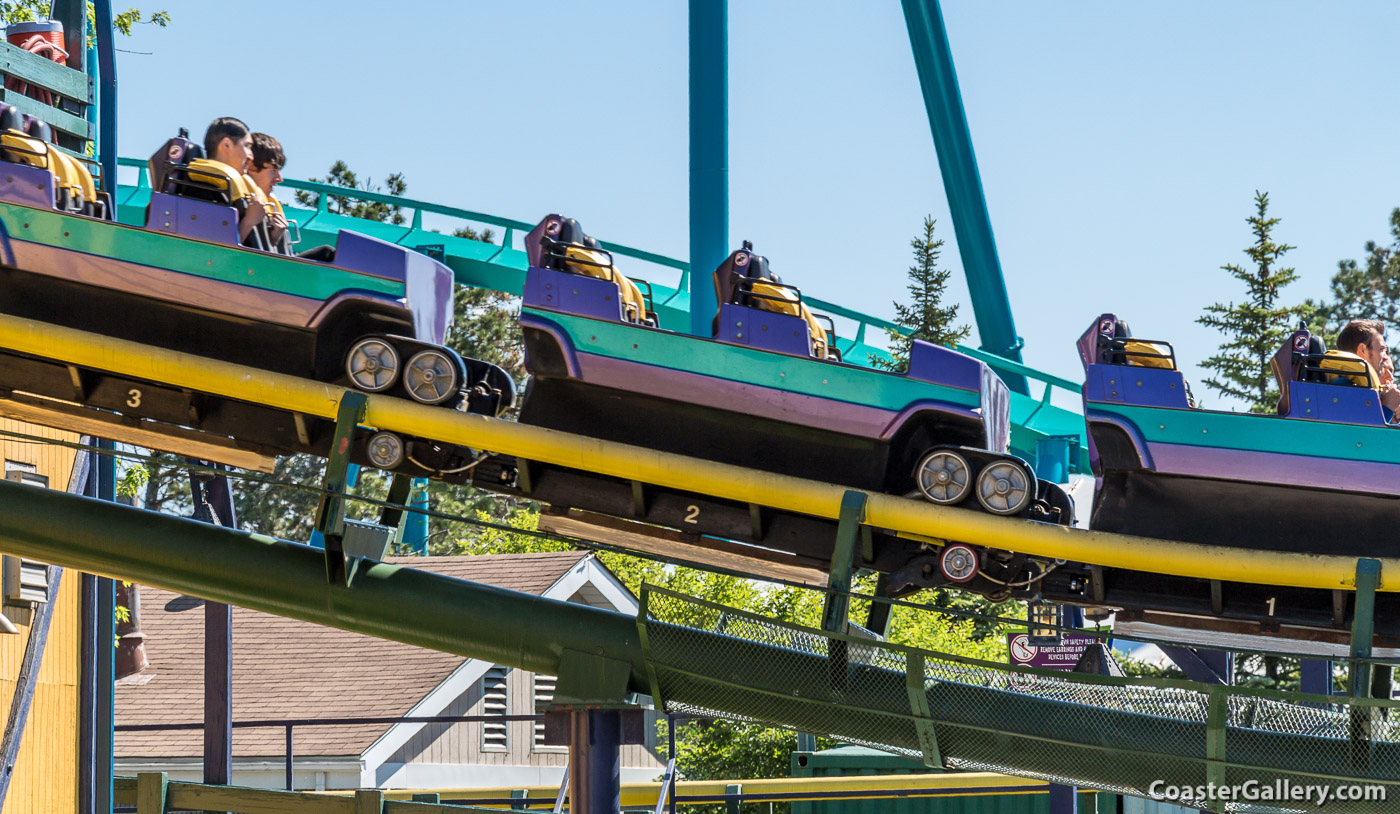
[1322,476]
[766,391]
[374,318]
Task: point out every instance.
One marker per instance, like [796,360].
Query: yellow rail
[688,474]
[635,795]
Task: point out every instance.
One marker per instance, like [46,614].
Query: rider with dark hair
[265,170]
[229,140]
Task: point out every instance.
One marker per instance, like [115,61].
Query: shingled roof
[284,668]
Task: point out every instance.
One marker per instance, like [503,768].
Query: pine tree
[1369,291]
[1256,328]
[925,317]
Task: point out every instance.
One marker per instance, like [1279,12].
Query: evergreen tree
[342,176]
[1369,291]
[926,317]
[1256,328]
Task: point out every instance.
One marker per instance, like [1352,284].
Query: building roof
[284,668]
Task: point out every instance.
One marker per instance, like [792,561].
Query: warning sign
[1062,656]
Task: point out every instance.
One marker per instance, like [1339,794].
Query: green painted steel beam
[781,682]
[289,579]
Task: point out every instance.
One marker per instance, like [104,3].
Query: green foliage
[341,175]
[926,317]
[1256,328]
[289,514]
[23,11]
[133,481]
[1366,290]
[486,323]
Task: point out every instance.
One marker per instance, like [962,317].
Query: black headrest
[38,129]
[1121,330]
[178,150]
[571,232]
[1316,347]
[11,118]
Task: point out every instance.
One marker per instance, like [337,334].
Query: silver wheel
[430,377]
[958,562]
[1004,487]
[372,364]
[385,450]
[943,477]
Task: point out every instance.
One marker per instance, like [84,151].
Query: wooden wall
[460,743]
[46,776]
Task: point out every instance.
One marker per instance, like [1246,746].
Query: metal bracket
[877,621]
[838,602]
[399,490]
[330,517]
[923,715]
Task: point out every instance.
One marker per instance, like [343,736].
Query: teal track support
[991,305]
[415,524]
[709,155]
[106,97]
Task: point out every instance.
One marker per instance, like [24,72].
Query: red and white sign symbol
[1106,327]
[1300,342]
[1021,648]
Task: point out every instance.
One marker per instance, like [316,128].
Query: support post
[843,555]
[152,789]
[991,305]
[399,489]
[291,760]
[1363,626]
[106,94]
[330,517]
[877,621]
[213,500]
[415,524]
[105,663]
[1363,629]
[709,155]
[595,761]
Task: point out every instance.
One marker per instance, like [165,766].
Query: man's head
[267,163]
[229,141]
[1365,338]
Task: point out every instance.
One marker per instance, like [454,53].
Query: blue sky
[1120,144]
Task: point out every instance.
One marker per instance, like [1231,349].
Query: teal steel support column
[415,524]
[972,224]
[106,97]
[709,155]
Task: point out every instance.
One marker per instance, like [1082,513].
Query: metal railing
[418,207]
[290,724]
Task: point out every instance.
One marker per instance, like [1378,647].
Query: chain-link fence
[1269,750]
